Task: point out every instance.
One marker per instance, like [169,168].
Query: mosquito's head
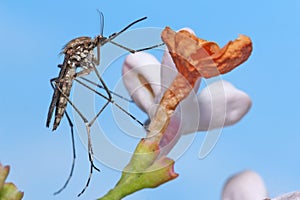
[98,40]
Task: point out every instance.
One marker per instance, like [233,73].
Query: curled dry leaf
[194,58]
[193,55]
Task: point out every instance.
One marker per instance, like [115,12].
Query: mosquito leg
[51,82]
[73,144]
[83,72]
[90,148]
[94,119]
[91,153]
[103,83]
[96,61]
[74,155]
[110,98]
[148,48]
[86,122]
[137,50]
[91,159]
[110,101]
[87,183]
[101,87]
[130,115]
[74,107]
[114,35]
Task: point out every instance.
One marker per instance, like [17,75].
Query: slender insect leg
[74,155]
[112,92]
[71,103]
[114,35]
[110,98]
[51,82]
[137,50]
[110,101]
[73,145]
[83,72]
[90,148]
[97,62]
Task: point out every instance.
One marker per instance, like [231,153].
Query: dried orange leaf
[203,58]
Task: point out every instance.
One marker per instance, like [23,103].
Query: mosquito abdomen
[65,85]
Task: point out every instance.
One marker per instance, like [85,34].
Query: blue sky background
[266,140]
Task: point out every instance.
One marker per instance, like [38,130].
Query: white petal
[141,77]
[220,104]
[289,196]
[246,185]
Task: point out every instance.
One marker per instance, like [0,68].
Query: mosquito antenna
[101,22]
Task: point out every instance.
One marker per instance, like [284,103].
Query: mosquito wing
[57,94]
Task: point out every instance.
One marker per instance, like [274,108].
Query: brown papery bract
[194,58]
[194,55]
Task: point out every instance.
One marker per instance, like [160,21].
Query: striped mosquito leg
[136,50]
[110,97]
[73,142]
[110,101]
[74,155]
[90,148]
[91,159]
[101,87]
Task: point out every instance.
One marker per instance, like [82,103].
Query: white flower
[248,185]
[146,79]
[217,105]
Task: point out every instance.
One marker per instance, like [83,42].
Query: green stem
[158,173]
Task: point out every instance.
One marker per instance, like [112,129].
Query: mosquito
[79,61]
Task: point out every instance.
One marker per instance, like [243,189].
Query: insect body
[79,61]
[79,53]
